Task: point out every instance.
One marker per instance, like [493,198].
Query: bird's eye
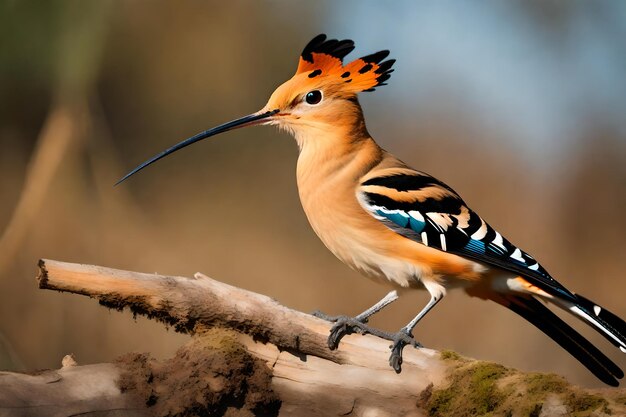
[313,97]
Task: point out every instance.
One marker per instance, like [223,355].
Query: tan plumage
[400,226]
[329,195]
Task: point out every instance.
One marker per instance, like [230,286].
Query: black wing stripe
[405,182]
[448,204]
[474,223]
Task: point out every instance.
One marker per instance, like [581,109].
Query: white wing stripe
[517,255]
[498,241]
[417,216]
[481,232]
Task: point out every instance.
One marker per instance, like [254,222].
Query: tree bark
[249,355]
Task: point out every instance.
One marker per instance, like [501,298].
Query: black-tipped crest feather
[332,47]
[340,48]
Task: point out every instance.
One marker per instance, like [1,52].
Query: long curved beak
[250,120]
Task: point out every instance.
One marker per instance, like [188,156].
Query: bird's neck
[336,158]
[330,168]
[329,143]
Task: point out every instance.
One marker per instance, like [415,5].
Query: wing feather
[426,210]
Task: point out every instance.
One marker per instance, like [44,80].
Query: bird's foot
[400,340]
[348,325]
[344,325]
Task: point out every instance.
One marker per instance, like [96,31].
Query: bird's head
[322,95]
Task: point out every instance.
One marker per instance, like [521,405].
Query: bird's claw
[400,340]
[344,325]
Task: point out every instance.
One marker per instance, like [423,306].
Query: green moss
[450,355]
[484,393]
[582,404]
[473,391]
[440,403]
[543,383]
[216,338]
[478,388]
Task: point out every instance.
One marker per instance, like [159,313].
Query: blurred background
[520,106]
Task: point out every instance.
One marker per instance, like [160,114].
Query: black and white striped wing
[424,209]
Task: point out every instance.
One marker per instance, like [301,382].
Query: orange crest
[323,57]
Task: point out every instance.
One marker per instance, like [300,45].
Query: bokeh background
[520,106]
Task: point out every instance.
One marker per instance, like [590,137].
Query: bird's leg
[347,325]
[405,335]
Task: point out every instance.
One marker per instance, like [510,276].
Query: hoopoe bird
[398,225]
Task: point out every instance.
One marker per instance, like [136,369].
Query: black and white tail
[605,322]
[602,320]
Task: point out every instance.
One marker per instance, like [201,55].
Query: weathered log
[71,390]
[249,355]
[293,342]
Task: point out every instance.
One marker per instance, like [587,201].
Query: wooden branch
[183,303]
[294,342]
[71,390]
[249,354]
